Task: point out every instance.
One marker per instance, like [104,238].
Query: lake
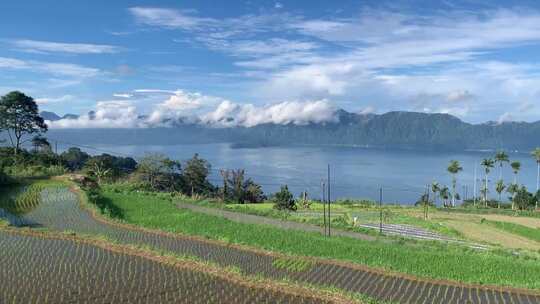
[355,172]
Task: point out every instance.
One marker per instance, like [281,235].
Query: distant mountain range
[405,130]
[54,117]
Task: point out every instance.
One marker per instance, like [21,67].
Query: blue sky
[273,61]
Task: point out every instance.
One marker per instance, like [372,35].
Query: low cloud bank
[108,114]
[229,114]
[185,107]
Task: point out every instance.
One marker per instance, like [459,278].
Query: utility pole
[427,203]
[329,218]
[380,210]
[474,194]
[323,201]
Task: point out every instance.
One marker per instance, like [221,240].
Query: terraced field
[39,270]
[60,211]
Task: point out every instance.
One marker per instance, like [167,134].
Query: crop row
[21,200]
[40,270]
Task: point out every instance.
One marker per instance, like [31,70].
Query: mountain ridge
[396,129]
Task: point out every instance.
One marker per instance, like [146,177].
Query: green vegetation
[283,200]
[292,265]
[19,116]
[22,199]
[24,196]
[447,262]
[524,231]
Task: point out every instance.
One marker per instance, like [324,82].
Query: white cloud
[57,47]
[187,105]
[505,117]
[367,110]
[459,96]
[123,95]
[53,68]
[168,18]
[229,114]
[12,63]
[179,104]
[49,100]
[108,114]
[311,80]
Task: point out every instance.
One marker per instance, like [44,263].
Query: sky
[135,63]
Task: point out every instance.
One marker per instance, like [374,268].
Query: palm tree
[499,187]
[435,188]
[512,189]
[536,154]
[454,168]
[516,166]
[443,193]
[487,163]
[501,157]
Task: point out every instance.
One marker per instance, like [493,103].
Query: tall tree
[499,187]
[19,116]
[41,144]
[513,188]
[444,195]
[536,154]
[435,188]
[239,189]
[195,173]
[516,166]
[74,158]
[488,164]
[500,158]
[160,172]
[454,168]
[283,200]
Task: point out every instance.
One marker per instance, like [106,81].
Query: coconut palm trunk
[486,188]
[537,182]
[537,176]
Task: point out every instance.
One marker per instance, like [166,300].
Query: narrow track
[60,211]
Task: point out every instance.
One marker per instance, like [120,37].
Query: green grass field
[524,231]
[342,216]
[426,259]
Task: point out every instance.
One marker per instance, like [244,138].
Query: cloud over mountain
[195,107]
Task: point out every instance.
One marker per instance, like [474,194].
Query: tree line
[519,196]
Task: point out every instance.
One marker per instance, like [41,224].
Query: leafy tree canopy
[19,115]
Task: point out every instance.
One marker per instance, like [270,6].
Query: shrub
[283,200]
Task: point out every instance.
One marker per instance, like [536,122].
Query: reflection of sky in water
[356,172]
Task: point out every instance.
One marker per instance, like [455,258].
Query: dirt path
[60,211]
[263,220]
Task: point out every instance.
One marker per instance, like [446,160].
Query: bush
[34,170]
[283,200]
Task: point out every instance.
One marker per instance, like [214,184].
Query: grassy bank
[424,259]
[524,231]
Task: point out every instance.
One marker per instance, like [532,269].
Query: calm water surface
[355,172]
